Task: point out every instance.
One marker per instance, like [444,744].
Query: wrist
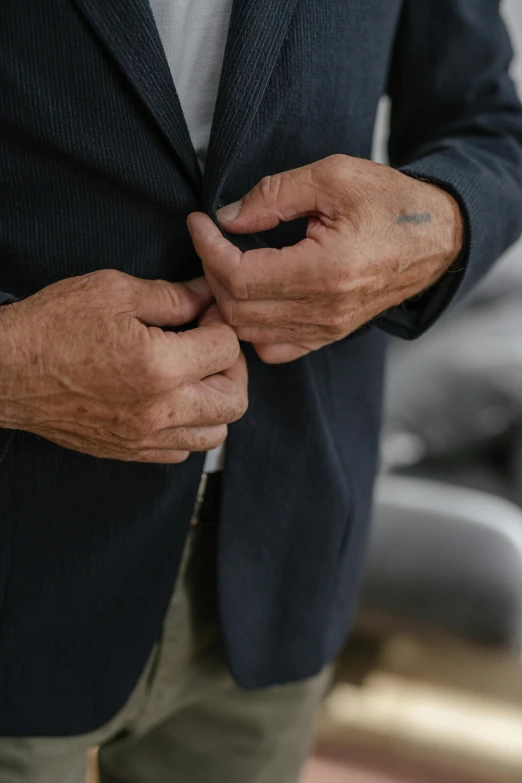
[437,249]
[451,220]
[14,357]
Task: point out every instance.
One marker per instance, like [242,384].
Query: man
[120,361]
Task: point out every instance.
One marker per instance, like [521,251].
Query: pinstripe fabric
[256,34]
[97,170]
[128,29]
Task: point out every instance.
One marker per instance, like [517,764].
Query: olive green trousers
[186,721]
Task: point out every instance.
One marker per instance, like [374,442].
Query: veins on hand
[415,218]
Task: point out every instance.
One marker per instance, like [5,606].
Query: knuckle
[237,284]
[229,348]
[218,437]
[240,406]
[234,349]
[335,322]
[339,178]
[248,334]
[176,296]
[171,296]
[109,279]
[234,409]
[338,163]
[332,315]
[269,187]
[230,311]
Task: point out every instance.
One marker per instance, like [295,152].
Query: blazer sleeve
[456,121]
[7,299]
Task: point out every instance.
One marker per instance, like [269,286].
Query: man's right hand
[85,364]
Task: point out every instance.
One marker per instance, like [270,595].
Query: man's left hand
[375,238]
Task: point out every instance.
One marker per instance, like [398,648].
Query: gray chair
[446,558]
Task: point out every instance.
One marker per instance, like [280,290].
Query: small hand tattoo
[416,218]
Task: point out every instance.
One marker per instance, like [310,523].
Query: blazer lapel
[128,30]
[256,34]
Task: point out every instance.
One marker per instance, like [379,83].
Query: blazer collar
[128,30]
[257,31]
[256,34]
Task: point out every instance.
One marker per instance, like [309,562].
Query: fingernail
[229,213]
[200,287]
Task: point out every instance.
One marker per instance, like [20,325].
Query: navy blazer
[97,170]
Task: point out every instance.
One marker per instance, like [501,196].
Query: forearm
[13,357]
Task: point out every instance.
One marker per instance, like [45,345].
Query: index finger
[263,273]
[192,355]
[289,273]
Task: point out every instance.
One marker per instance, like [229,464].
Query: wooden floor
[324,771]
[420,710]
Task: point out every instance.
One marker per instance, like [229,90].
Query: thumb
[160,303]
[276,199]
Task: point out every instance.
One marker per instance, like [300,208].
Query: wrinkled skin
[375,238]
[86,365]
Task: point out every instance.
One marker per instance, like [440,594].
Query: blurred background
[429,689]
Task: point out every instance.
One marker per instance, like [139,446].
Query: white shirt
[194,34]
